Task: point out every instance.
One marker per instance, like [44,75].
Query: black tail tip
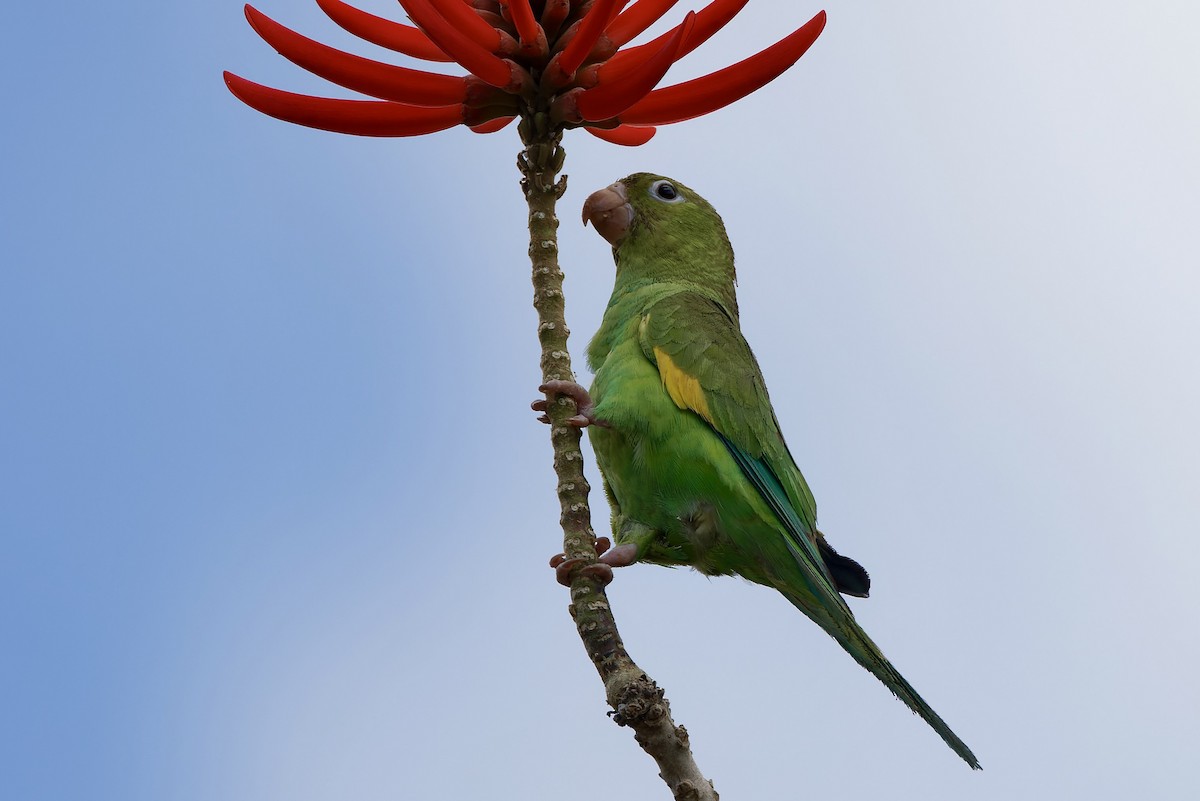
[849,576]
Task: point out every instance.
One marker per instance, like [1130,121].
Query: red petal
[626,135]
[465,51]
[361,117]
[553,15]
[360,74]
[465,20]
[491,126]
[586,36]
[712,18]
[522,18]
[703,95]
[383,32]
[633,21]
[610,99]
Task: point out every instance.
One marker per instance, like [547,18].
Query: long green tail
[826,607]
[866,653]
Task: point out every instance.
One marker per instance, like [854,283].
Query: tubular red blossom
[361,117]
[522,18]
[627,135]
[636,19]
[712,18]
[383,32]
[610,99]
[457,45]
[571,46]
[373,78]
[553,15]
[496,21]
[563,109]
[586,36]
[466,21]
[491,126]
[483,115]
[716,90]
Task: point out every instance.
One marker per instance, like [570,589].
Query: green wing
[708,367]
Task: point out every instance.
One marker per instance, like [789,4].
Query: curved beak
[609,212]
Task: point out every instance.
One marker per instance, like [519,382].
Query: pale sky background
[275,514]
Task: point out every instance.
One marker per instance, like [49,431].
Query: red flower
[559,57]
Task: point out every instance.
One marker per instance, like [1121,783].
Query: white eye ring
[665,192]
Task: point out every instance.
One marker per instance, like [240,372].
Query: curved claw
[602,570]
[583,402]
[564,571]
[601,545]
[599,571]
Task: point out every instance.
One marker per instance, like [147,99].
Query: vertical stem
[636,700]
[540,163]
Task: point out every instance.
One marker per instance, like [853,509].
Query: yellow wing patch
[683,388]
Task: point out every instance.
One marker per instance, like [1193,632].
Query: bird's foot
[602,569]
[584,407]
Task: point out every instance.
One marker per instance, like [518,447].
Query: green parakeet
[693,460]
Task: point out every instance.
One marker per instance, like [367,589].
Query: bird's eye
[665,191]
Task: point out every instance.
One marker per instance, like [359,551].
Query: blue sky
[275,514]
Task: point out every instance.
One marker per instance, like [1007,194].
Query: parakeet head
[661,230]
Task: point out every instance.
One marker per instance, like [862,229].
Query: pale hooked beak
[609,211]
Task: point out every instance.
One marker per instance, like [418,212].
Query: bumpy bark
[636,700]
